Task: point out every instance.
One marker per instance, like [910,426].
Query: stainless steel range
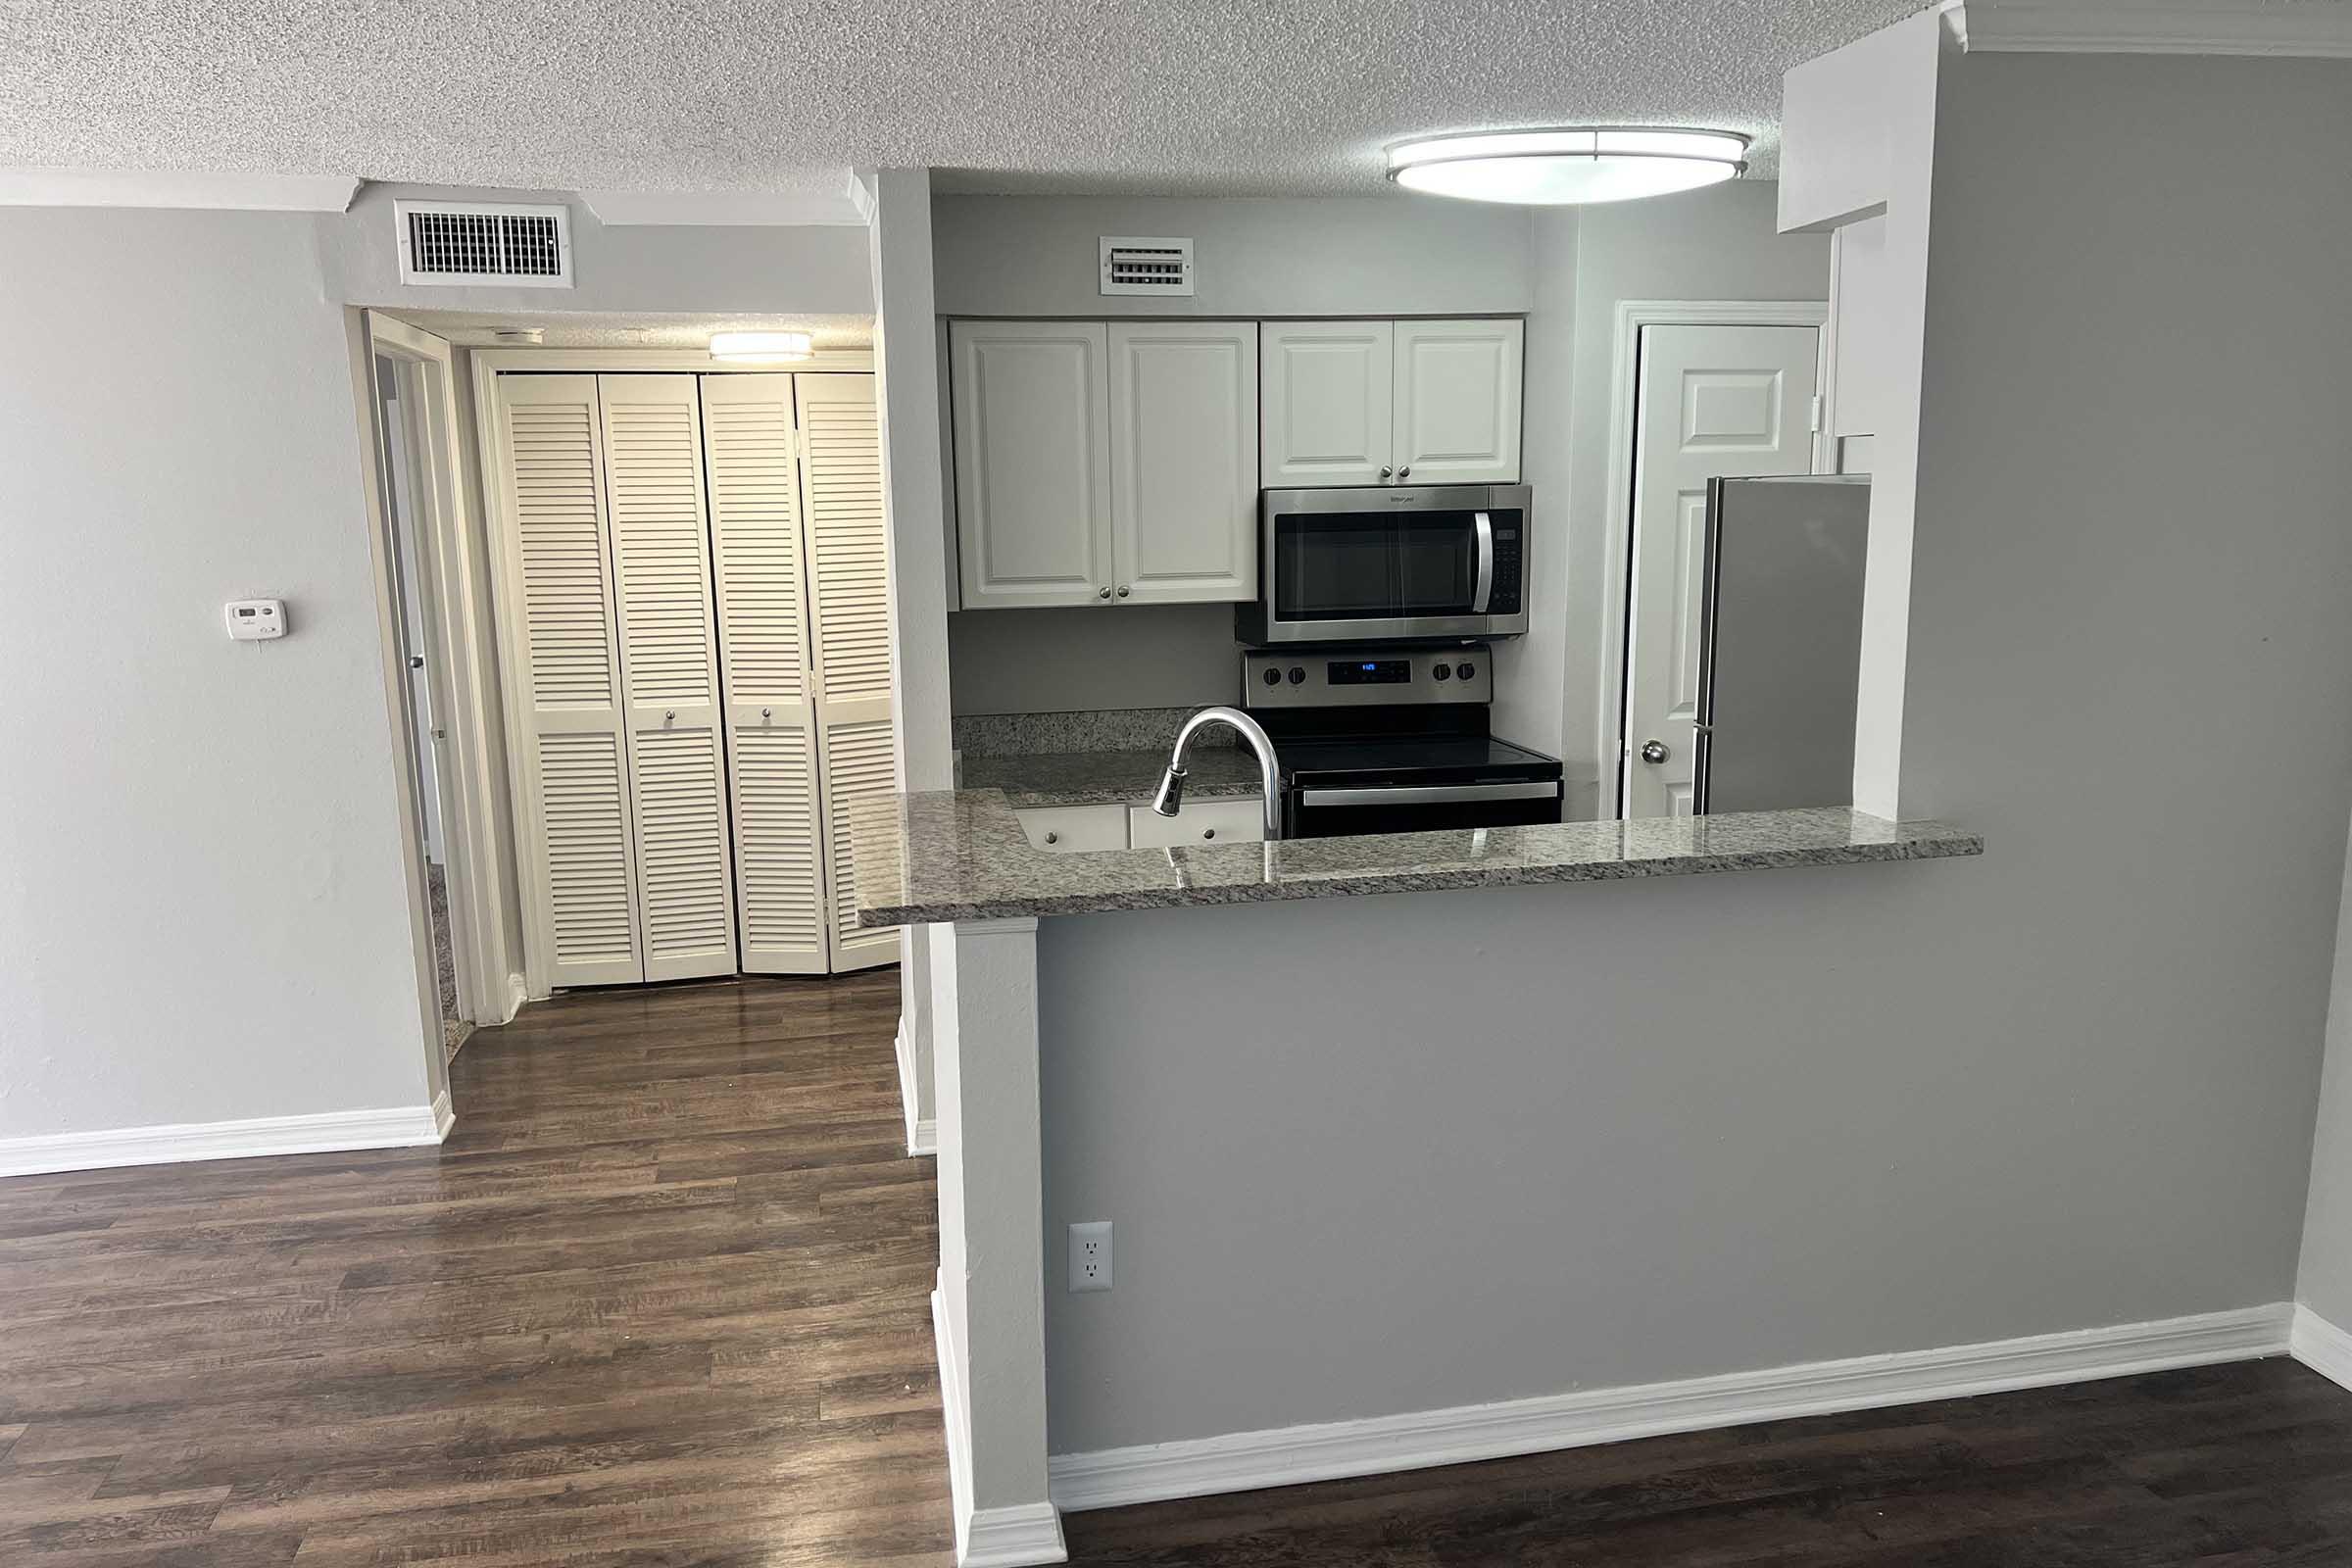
[1392,739]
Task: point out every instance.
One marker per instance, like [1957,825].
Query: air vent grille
[452,243]
[1147,265]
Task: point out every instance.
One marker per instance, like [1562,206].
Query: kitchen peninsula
[1275,1100]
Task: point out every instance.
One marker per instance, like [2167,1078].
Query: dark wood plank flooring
[662,1297]
[661,1301]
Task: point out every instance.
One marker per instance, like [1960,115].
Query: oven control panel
[1342,677]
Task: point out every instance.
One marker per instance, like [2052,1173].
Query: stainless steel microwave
[1349,565]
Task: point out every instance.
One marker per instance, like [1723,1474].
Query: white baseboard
[518,992]
[1012,1537]
[922,1132]
[444,1115]
[399,1127]
[2321,1346]
[1285,1456]
[986,1537]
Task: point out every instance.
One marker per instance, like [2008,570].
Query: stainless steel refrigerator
[1781,642]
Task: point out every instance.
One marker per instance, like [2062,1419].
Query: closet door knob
[669,715]
[768,712]
[1385,472]
[1406,473]
[1102,593]
[1122,590]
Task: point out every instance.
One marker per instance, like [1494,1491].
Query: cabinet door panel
[1326,402]
[1457,401]
[1184,461]
[1032,461]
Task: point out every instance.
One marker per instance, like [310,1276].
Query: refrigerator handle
[1704,736]
[1483,590]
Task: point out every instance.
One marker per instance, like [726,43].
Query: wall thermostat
[256,621]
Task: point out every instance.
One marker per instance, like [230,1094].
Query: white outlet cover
[1090,1255]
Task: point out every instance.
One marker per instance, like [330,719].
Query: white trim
[1617,523]
[2037,26]
[134,187]
[518,992]
[729,209]
[444,1115]
[1007,925]
[1018,1537]
[326,1132]
[922,1132]
[2321,1346]
[636,362]
[860,192]
[954,1416]
[1285,1456]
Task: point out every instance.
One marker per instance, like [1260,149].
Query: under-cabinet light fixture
[761,348]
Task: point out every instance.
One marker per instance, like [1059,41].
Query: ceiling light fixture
[761,348]
[1566,166]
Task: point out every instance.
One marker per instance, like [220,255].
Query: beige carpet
[454,1029]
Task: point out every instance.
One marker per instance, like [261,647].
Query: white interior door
[1329,419]
[669,673]
[1032,423]
[848,554]
[581,867]
[1713,402]
[752,459]
[1184,461]
[1457,401]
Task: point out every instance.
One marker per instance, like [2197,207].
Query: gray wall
[1057,660]
[2325,1282]
[1422,1151]
[810,270]
[203,912]
[1255,257]
[1712,244]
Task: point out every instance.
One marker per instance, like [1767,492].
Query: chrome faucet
[1171,782]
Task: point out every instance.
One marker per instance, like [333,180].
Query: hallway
[662,1297]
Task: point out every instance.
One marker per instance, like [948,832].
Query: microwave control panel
[1346,677]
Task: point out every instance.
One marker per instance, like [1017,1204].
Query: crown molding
[726,209]
[134,187]
[2308,29]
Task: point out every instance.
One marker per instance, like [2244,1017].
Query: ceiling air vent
[1147,265]
[470,242]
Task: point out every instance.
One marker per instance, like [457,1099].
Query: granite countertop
[960,855]
[1113,778]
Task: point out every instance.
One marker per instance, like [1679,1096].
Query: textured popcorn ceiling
[1242,96]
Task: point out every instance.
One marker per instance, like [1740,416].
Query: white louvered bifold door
[756,530]
[579,870]
[840,470]
[669,673]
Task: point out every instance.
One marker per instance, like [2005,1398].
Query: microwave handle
[1483,533]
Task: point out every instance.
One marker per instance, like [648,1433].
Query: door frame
[488,365]
[1617,532]
[459,664]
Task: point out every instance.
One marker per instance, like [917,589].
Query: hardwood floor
[663,1301]
[2244,1466]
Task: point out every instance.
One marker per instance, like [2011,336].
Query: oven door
[1346,565]
[1319,811]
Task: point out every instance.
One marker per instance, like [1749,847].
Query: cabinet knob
[1102,593]
[768,712]
[1053,838]
[1385,472]
[669,715]
[1122,590]
[1208,832]
[1406,473]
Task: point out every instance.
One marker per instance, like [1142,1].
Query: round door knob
[1122,590]
[1053,838]
[1654,751]
[768,712]
[669,715]
[1208,832]
[1102,593]
[1406,473]
[1385,472]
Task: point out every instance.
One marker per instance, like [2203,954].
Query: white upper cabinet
[1105,462]
[1032,461]
[1184,461]
[1350,403]
[1327,403]
[1457,401]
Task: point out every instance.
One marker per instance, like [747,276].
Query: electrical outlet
[1090,1255]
